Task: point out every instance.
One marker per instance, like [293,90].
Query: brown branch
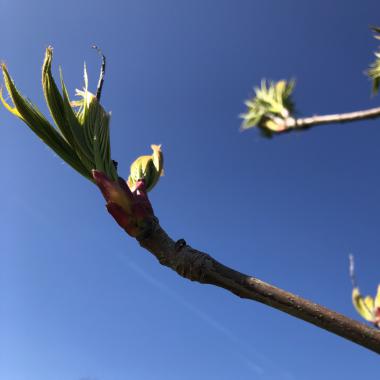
[307,122]
[198,266]
[133,211]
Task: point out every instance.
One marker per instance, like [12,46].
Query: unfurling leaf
[82,135]
[82,139]
[147,168]
[367,307]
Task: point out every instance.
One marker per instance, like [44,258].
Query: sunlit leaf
[374,69]
[364,306]
[82,135]
[148,168]
[272,100]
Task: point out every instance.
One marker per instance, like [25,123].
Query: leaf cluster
[271,101]
[81,136]
[374,70]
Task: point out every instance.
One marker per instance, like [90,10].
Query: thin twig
[338,118]
[102,72]
[307,122]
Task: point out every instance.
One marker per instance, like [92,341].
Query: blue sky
[79,300]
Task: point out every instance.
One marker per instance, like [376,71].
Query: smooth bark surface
[201,267]
[308,122]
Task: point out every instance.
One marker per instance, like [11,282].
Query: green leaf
[271,100]
[363,305]
[376,29]
[374,73]
[41,127]
[83,150]
[54,99]
[82,136]
[149,168]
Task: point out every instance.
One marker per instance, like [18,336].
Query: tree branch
[308,122]
[199,266]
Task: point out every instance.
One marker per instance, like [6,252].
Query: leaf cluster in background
[374,69]
[272,101]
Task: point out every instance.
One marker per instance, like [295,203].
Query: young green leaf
[271,101]
[82,136]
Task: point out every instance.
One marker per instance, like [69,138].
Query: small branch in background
[282,125]
[278,125]
[308,122]
[102,72]
[271,108]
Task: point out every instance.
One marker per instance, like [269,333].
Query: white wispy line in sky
[259,364]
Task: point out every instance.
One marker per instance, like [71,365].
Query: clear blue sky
[79,300]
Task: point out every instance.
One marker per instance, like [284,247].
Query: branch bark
[201,267]
[307,122]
